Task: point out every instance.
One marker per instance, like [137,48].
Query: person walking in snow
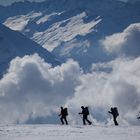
[63,114]
[85,113]
[115,114]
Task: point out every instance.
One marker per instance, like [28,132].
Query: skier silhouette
[85,113]
[63,114]
[115,114]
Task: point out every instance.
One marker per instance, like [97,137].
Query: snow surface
[55,132]
[18,23]
[45,18]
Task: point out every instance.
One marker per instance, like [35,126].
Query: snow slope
[55,132]
[13,44]
[64,31]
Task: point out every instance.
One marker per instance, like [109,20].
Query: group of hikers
[85,112]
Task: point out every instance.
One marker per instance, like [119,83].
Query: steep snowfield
[13,44]
[18,23]
[55,132]
[61,31]
[64,31]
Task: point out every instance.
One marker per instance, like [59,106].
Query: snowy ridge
[62,31]
[65,31]
[18,23]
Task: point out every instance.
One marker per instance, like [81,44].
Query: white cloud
[31,86]
[126,42]
[102,89]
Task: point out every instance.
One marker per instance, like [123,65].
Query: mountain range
[69,28]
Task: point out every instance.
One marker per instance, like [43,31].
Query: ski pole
[80,116]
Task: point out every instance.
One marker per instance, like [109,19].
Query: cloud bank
[110,84]
[32,86]
[126,42]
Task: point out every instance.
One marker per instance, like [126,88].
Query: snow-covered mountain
[69,28]
[13,44]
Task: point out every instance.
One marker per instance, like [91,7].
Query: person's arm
[80,112]
[60,114]
[110,112]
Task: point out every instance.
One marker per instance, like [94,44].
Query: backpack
[116,111]
[65,111]
[86,111]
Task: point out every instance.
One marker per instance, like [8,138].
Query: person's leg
[115,121]
[84,122]
[89,122]
[65,120]
[62,120]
